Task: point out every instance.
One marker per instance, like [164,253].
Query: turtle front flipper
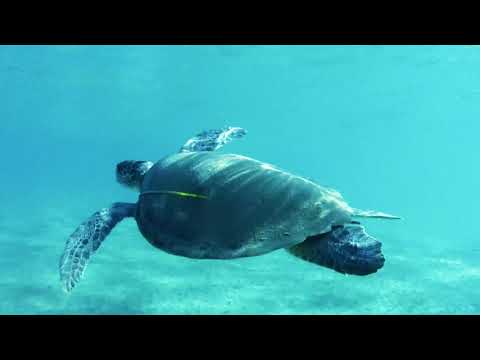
[345,249]
[87,239]
[211,140]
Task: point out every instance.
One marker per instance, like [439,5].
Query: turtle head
[130,173]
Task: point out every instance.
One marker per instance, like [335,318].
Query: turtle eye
[121,167]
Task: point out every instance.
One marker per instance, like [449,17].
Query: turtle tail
[373,214]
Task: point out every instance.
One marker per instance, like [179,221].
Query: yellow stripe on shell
[179,193]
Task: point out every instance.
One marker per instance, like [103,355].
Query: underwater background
[393,128]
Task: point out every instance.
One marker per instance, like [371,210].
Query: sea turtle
[203,204]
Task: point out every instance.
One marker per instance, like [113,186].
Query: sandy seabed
[129,276]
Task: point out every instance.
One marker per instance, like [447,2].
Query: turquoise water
[393,128]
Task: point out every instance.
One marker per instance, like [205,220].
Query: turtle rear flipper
[345,249]
[87,239]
